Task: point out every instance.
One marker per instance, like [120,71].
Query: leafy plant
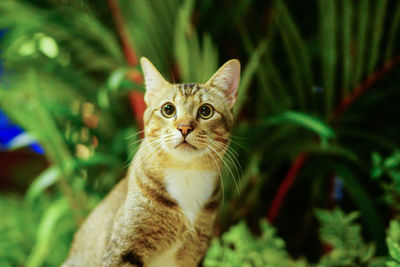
[343,235]
[388,167]
[238,247]
[393,242]
[43,225]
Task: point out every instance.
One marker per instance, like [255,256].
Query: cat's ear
[227,79]
[153,80]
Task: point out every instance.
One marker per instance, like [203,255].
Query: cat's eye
[168,110]
[206,111]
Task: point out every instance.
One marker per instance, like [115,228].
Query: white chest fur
[190,188]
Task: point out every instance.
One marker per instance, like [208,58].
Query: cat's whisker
[166,139]
[134,134]
[219,171]
[233,141]
[201,146]
[232,158]
[137,141]
[153,154]
[238,137]
[229,150]
[230,153]
[131,155]
[224,146]
[221,143]
[225,164]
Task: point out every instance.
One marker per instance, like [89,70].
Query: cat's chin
[185,151]
[185,146]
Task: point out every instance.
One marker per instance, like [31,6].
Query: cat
[163,213]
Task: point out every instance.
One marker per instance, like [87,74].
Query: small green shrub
[387,170]
[34,234]
[339,231]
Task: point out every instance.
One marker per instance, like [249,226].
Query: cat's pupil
[169,109]
[205,111]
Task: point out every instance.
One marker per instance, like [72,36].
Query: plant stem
[360,89]
[285,185]
[299,161]
[123,33]
[135,98]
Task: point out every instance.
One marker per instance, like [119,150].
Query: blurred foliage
[339,231]
[387,170]
[393,242]
[44,226]
[319,77]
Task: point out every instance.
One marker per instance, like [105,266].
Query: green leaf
[363,11]
[392,264]
[21,140]
[377,33]
[46,179]
[48,46]
[45,231]
[188,50]
[327,18]
[27,106]
[394,249]
[362,199]
[347,37]
[391,162]
[394,231]
[334,150]
[394,27]
[376,159]
[116,78]
[248,74]
[299,59]
[377,170]
[304,120]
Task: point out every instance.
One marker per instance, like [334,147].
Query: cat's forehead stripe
[187,89]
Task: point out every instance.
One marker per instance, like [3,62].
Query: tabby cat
[162,214]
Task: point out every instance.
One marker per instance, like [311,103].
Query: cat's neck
[190,184]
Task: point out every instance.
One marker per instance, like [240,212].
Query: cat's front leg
[194,248]
[123,245]
[120,252]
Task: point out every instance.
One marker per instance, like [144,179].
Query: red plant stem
[285,185]
[288,180]
[122,30]
[135,98]
[138,106]
[359,90]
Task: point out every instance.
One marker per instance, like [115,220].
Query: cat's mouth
[185,145]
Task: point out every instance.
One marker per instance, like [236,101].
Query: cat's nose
[185,129]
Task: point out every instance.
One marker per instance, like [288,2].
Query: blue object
[9,131]
[337,189]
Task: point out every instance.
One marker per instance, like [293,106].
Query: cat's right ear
[153,80]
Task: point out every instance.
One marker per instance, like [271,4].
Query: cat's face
[190,120]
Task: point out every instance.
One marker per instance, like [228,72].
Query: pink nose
[185,129]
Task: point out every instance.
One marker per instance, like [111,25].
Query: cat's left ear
[227,79]
[153,80]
